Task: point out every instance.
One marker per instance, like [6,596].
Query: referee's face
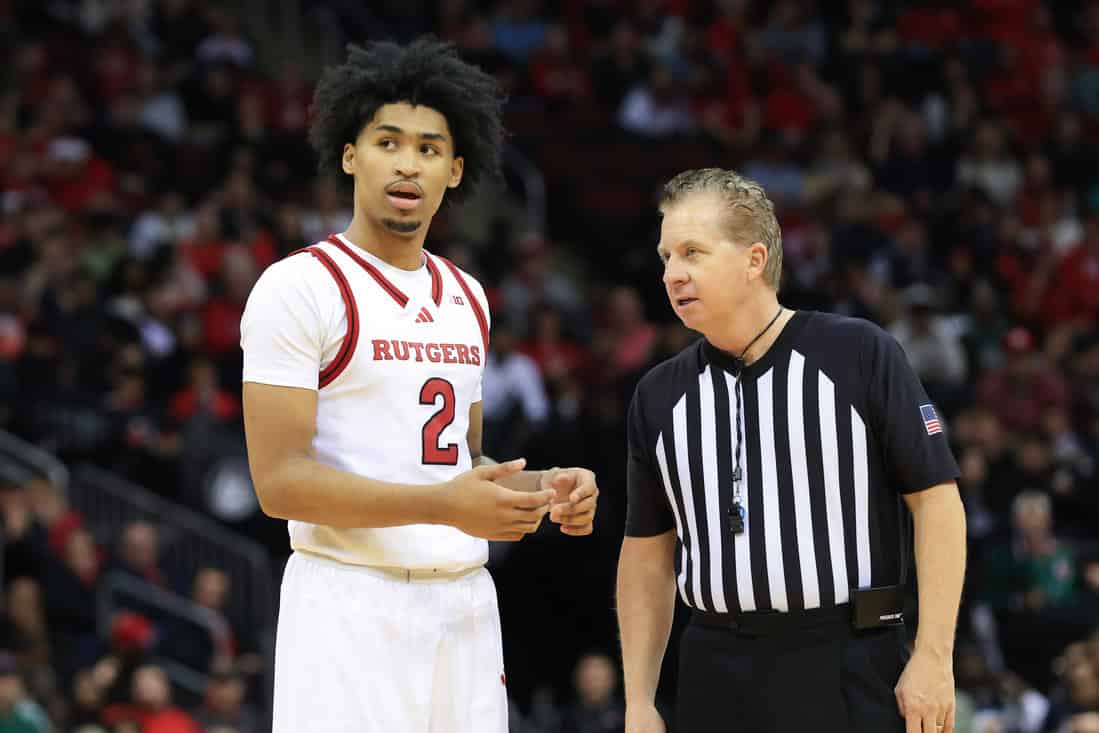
[706,274]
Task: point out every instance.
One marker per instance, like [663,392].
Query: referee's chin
[693,321]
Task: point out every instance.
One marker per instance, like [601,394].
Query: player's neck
[739,331]
[403,252]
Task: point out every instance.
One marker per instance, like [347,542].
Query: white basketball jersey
[393,404]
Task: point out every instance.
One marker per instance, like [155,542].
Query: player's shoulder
[298,280]
[298,270]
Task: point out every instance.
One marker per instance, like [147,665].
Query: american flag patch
[930,420]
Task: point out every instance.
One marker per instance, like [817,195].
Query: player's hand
[480,507]
[575,495]
[925,694]
[644,719]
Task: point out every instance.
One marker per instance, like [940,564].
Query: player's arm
[575,489]
[291,320]
[279,424]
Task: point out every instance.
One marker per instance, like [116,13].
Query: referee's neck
[746,322]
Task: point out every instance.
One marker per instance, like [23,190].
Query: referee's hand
[644,719]
[925,694]
[575,495]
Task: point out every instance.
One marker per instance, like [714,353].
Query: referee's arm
[926,689]
[646,605]
[646,578]
[920,460]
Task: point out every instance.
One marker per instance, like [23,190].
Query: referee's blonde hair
[752,214]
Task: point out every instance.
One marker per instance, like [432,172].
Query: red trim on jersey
[436,280]
[374,272]
[478,311]
[351,338]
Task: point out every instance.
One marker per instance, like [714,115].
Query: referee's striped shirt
[835,426]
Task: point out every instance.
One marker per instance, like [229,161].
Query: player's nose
[406,165]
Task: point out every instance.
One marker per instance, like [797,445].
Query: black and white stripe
[804,454]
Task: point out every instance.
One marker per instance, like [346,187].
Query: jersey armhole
[350,339]
[474,303]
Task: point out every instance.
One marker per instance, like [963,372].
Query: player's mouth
[684,302]
[405,196]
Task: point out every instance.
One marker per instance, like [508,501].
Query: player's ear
[348,161]
[456,167]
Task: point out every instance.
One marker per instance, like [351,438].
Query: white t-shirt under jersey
[399,410]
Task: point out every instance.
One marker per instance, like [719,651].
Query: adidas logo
[424,316]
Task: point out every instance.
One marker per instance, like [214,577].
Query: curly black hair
[426,72]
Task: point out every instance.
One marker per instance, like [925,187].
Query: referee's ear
[757,260]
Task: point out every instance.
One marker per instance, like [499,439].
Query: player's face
[403,163]
[707,275]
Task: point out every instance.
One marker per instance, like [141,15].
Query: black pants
[828,678]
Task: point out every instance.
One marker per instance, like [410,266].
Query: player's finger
[563,479]
[581,521]
[929,724]
[519,516]
[493,471]
[577,531]
[531,499]
[508,537]
[572,510]
[582,492]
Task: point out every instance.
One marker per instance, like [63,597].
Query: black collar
[731,364]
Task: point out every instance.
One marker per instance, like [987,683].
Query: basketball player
[363,358]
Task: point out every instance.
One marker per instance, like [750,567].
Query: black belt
[767,623]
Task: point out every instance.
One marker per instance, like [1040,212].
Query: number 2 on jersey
[433,453]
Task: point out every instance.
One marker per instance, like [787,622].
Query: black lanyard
[737,512]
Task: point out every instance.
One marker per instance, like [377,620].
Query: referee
[768,462]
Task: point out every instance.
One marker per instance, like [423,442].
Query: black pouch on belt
[875,608]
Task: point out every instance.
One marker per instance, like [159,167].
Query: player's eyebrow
[423,135]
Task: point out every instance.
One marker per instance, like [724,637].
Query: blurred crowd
[933,166]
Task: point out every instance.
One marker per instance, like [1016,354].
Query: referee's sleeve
[647,511]
[908,425]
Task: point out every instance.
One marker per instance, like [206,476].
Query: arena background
[934,168]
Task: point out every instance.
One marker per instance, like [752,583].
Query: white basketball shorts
[360,652]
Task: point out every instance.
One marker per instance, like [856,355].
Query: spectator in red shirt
[207,247]
[555,72]
[204,394]
[1021,391]
[76,177]
[222,314]
[151,706]
[633,337]
[1074,292]
[557,357]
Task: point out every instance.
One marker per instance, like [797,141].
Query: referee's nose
[674,274]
